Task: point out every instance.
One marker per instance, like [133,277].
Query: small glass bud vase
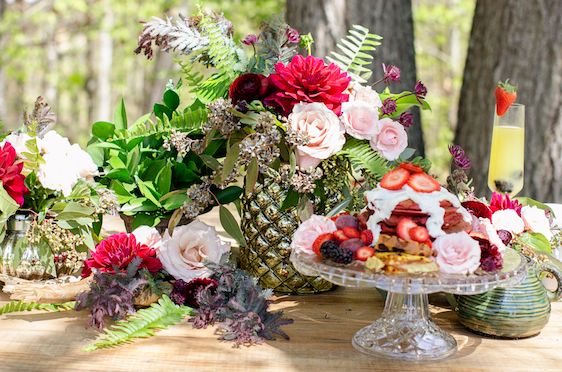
[18,257]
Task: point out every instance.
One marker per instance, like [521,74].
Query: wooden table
[320,341]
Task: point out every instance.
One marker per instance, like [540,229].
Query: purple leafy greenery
[111,295]
[239,307]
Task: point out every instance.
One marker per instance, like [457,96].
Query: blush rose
[309,230]
[360,119]
[457,253]
[391,139]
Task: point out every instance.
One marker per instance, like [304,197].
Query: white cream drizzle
[383,202]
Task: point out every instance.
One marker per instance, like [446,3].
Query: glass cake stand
[405,329]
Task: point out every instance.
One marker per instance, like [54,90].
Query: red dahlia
[117,252]
[307,80]
[502,201]
[10,173]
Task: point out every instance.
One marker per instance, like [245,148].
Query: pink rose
[148,236]
[360,119]
[358,92]
[323,129]
[508,219]
[457,253]
[309,230]
[536,221]
[391,139]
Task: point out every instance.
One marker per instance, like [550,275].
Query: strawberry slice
[395,179]
[320,240]
[351,232]
[363,253]
[412,168]
[367,237]
[419,234]
[340,235]
[403,228]
[506,94]
[422,182]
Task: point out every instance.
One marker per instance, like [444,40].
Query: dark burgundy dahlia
[307,80]
[186,293]
[248,87]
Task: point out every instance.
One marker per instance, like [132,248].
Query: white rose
[324,130]
[82,162]
[508,219]
[149,236]
[360,119]
[358,92]
[183,254]
[536,221]
[53,142]
[56,174]
[18,141]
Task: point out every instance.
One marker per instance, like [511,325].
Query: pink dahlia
[116,253]
[502,201]
[10,173]
[307,80]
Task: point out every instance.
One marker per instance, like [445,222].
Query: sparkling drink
[507,154]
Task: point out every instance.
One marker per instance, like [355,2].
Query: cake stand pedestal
[405,329]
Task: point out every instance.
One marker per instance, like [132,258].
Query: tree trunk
[519,40]
[3,110]
[329,20]
[104,65]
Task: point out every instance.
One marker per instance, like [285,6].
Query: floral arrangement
[312,125]
[50,182]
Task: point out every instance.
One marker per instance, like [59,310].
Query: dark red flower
[10,174]
[460,159]
[490,257]
[293,35]
[406,119]
[502,201]
[116,252]
[388,106]
[248,87]
[505,236]
[250,39]
[420,90]
[307,80]
[391,73]
[186,293]
[477,208]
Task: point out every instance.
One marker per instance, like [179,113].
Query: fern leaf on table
[353,53]
[363,157]
[19,306]
[144,323]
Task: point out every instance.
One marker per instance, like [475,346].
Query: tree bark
[519,40]
[329,20]
[105,55]
[3,110]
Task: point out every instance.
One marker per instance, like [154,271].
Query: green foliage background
[51,48]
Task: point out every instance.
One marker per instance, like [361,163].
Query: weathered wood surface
[320,341]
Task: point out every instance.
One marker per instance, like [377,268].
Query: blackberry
[332,251]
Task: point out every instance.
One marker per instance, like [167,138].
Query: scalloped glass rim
[355,275]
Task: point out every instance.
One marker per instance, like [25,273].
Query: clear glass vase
[19,258]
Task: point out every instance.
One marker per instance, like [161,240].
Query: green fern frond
[222,51]
[19,306]
[216,86]
[363,157]
[353,55]
[191,77]
[142,324]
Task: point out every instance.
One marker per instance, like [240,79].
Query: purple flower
[460,159]
[391,73]
[420,90]
[406,119]
[250,39]
[388,106]
[293,35]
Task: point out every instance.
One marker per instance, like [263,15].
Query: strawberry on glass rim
[506,94]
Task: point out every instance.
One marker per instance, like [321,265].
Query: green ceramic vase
[515,312]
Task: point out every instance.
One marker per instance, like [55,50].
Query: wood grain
[320,341]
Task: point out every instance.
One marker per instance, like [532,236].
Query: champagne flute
[507,153]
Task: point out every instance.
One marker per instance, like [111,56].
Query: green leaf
[291,200]
[160,110]
[143,219]
[75,210]
[536,241]
[210,161]
[147,190]
[230,225]
[105,145]
[123,195]
[116,162]
[97,154]
[103,129]
[8,207]
[229,194]
[252,173]
[362,156]
[230,160]
[164,179]
[144,323]
[139,205]
[174,201]
[120,116]
[171,99]
[533,203]
[19,306]
[341,206]
[121,174]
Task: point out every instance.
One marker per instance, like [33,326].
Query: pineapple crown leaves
[353,53]
[143,324]
[363,157]
[19,306]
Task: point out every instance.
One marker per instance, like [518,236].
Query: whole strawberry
[506,94]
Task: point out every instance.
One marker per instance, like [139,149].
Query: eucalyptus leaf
[536,241]
[291,200]
[340,207]
[210,161]
[229,194]
[252,173]
[230,225]
[230,160]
